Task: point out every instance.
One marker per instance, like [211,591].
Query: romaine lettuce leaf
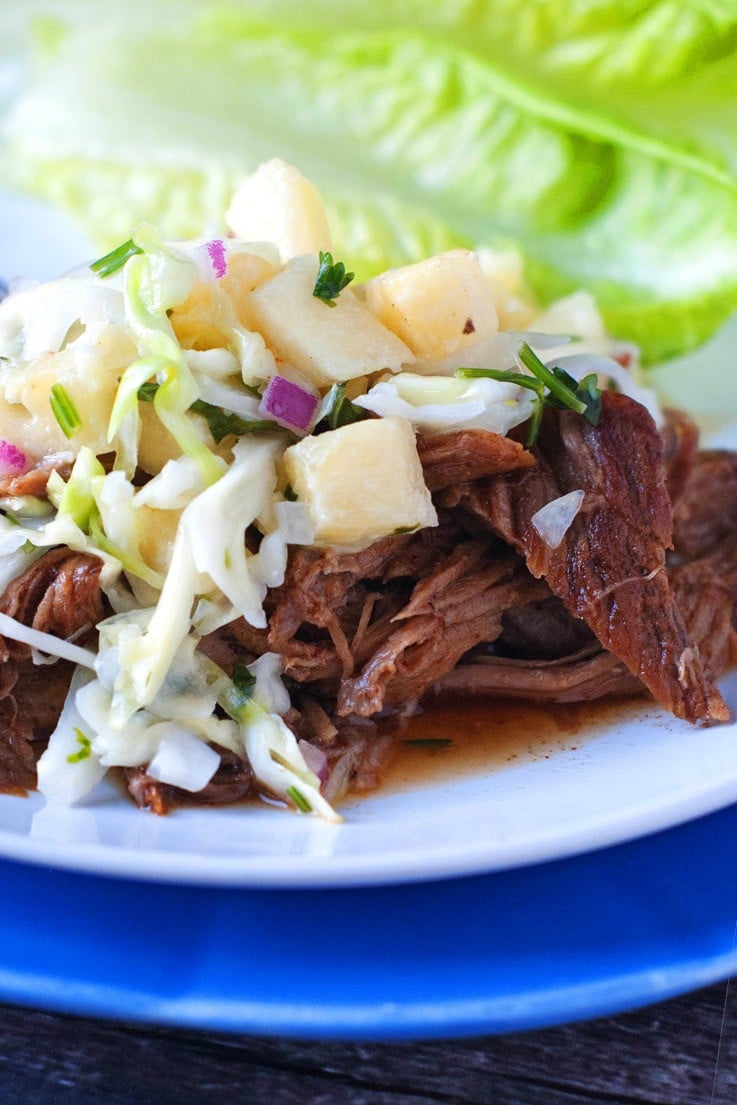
[592,136]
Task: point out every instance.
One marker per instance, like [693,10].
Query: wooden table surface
[681,1052]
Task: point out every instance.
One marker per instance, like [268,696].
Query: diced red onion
[315,759]
[211,259]
[12,459]
[218,258]
[288,404]
[553,520]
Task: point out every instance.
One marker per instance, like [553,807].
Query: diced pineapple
[199,322]
[514,304]
[328,344]
[361,482]
[277,204]
[575,314]
[435,306]
[89,369]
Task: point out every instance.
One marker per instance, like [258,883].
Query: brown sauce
[448,739]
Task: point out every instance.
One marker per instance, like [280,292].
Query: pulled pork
[639,597]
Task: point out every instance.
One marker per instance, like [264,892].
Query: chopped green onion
[331,279]
[111,262]
[563,391]
[299,799]
[405,529]
[64,410]
[429,742]
[85,750]
[290,494]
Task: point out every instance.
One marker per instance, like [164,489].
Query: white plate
[637,774]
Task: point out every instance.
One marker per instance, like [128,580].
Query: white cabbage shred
[174,463]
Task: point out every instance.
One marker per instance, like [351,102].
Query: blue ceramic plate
[577,938]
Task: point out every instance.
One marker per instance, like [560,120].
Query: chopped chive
[331,279]
[111,262]
[64,411]
[299,799]
[406,529]
[84,751]
[429,742]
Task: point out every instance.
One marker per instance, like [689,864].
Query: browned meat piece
[590,673]
[232,782]
[680,436]
[543,630]
[17,757]
[583,677]
[465,455]
[59,594]
[33,482]
[457,606]
[323,598]
[610,567]
[706,511]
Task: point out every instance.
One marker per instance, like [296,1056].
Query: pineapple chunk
[199,322]
[361,482]
[89,368]
[328,344]
[435,306]
[277,204]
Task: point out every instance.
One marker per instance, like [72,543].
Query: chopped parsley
[221,423]
[83,752]
[340,411]
[111,262]
[243,684]
[554,387]
[331,279]
[64,411]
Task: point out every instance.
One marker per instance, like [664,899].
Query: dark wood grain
[682,1052]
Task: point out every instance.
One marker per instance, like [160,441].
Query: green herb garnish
[429,742]
[64,410]
[563,392]
[299,799]
[83,752]
[111,262]
[221,423]
[243,683]
[405,529]
[147,391]
[290,494]
[340,411]
[331,279]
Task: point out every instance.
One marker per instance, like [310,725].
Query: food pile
[251,508]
